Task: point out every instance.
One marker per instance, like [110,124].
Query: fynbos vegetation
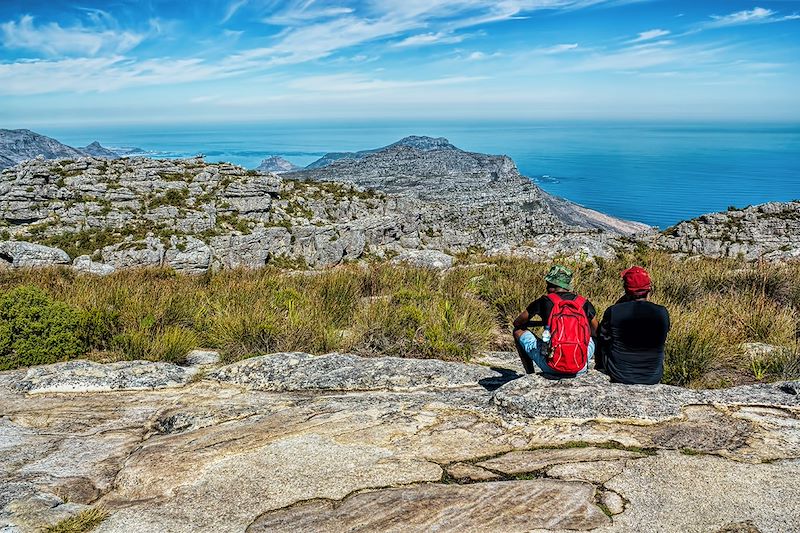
[384,309]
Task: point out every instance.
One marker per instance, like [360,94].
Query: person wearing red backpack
[570,321]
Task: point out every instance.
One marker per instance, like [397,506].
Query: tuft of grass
[82,522]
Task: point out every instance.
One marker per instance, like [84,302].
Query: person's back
[632,336]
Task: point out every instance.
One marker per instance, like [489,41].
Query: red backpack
[569,335]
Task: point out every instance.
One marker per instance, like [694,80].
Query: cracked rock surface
[341,443]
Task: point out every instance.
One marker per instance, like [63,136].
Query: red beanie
[636,280]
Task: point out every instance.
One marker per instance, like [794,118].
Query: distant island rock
[97,150]
[277,165]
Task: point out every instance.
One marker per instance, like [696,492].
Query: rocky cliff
[334,443]
[770,231]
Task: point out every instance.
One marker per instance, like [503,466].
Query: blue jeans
[530,344]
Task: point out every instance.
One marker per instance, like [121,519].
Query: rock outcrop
[770,231]
[339,443]
[277,165]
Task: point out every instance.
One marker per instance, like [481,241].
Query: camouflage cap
[560,276]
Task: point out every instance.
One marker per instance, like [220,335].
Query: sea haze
[654,173]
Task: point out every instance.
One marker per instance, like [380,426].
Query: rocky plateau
[415,195]
[335,443]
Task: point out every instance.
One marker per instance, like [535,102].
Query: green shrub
[35,329]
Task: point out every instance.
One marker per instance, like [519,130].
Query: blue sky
[150,61]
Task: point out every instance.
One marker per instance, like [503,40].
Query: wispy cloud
[649,35]
[559,48]
[424,39]
[54,40]
[757,15]
[358,83]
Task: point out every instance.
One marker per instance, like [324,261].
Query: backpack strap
[554,297]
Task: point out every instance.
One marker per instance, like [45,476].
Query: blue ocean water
[654,173]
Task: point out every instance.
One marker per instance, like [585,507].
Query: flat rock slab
[521,462]
[508,506]
[88,376]
[701,493]
[594,397]
[345,372]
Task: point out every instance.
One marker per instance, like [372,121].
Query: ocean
[658,174]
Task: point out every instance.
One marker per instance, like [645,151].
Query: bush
[35,329]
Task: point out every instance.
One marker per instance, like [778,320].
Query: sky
[155,62]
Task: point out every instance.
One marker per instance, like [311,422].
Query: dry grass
[81,522]
[393,310]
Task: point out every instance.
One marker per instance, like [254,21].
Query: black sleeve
[589,309]
[535,309]
[603,341]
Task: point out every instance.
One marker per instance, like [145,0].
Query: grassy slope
[390,310]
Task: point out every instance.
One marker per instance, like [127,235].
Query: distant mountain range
[17,146]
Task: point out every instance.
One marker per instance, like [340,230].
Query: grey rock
[433,259]
[344,372]
[202,358]
[188,255]
[21,254]
[87,376]
[148,252]
[85,264]
[592,396]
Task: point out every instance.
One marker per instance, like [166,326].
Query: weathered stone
[87,376]
[521,462]
[224,456]
[202,358]
[188,255]
[85,264]
[513,506]
[705,493]
[613,502]
[466,471]
[592,396]
[301,371]
[26,254]
[593,471]
[432,259]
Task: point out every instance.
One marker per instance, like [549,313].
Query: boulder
[22,254]
[433,259]
[87,376]
[188,255]
[85,264]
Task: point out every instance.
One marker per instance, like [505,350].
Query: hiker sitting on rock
[570,322]
[632,334]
